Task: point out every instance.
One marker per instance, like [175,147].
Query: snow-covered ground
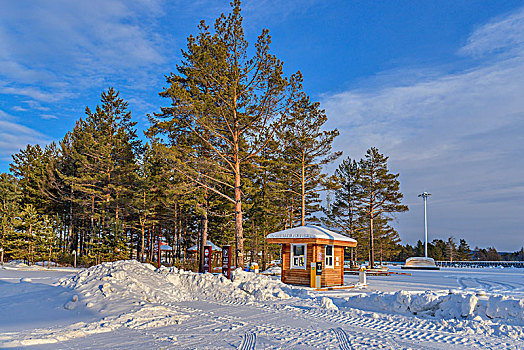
[128,305]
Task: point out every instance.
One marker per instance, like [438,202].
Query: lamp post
[425,195]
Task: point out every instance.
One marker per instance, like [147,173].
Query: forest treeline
[453,250]
[237,151]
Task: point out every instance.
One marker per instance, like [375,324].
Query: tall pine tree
[230,101]
[378,193]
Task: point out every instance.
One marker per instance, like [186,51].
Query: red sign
[226,261]
[207,258]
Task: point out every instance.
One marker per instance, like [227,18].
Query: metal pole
[425,195]
[425,227]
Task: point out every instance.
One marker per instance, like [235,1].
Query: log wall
[330,276]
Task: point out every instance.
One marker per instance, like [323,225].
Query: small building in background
[192,252]
[304,245]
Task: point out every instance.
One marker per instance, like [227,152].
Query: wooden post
[159,250]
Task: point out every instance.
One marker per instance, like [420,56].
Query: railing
[444,263]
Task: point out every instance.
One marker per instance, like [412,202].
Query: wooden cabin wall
[333,276]
[296,276]
[330,276]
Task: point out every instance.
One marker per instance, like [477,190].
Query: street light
[425,195]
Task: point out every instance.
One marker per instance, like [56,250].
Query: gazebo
[309,245]
[193,251]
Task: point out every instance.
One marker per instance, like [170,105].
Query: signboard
[319,268]
[207,259]
[226,261]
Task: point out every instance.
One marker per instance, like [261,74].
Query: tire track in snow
[408,333]
[249,341]
[343,340]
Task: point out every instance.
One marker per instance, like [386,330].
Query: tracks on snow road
[342,338]
[249,341]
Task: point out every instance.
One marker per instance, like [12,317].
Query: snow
[309,231]
[214,247]
[273,270]
[420,262]
[127,304]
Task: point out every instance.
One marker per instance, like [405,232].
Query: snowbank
[443,305]
[136,282]
[38,266]
[273,271]
[262,287]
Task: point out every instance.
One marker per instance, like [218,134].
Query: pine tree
[378,193]
[103,147]
[307,149]
[387,238]
[451,249]
[463,251]
[343,214]
[437,249]
[235,99]
[10,198]
[29,167]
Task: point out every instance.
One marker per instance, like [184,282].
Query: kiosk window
[298,256]
[329,256]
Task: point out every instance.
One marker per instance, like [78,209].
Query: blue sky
[436,85]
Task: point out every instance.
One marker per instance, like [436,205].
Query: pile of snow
[443,305]
[273,271]
[15,264]
[261,287]
[37,266]
[327,303]
[135,282]
[130,294]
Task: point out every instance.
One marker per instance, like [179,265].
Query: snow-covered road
[127,306]
[509,281]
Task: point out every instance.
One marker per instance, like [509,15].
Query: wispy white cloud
[501,35]
[54,48]
[48,116]
[459,135]
[15,136]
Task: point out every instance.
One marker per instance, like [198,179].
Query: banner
[207,259]
[226,261]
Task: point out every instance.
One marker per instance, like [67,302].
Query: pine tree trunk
[303,195]
[239,232]
[256,244]
[142,247]
[179,241]
[203,239]
[371,252]
[264,254]
[49,258]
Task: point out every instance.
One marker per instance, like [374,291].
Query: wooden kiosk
[304,247]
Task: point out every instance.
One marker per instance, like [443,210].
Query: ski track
[249,341]
[364,332]
[489,285]
[342,338]
[218,324]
